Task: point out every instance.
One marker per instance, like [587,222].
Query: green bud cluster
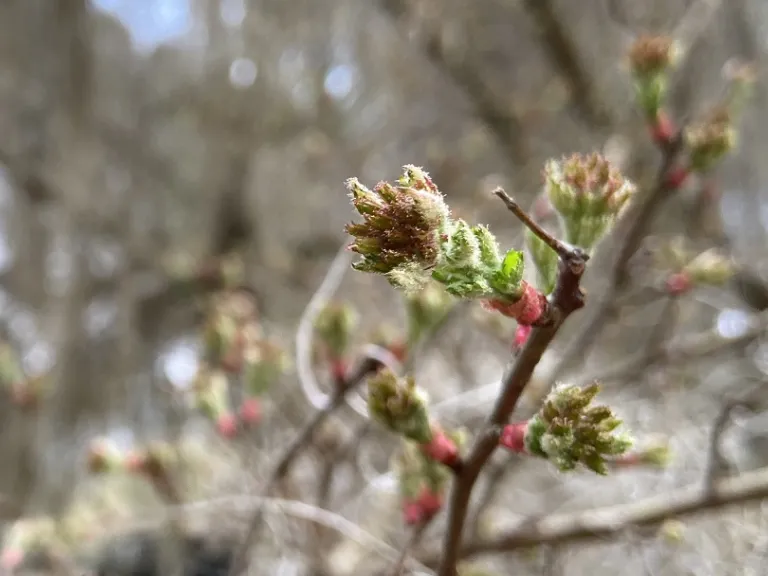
[568,431]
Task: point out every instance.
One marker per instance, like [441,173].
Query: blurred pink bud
[250,411]
[226,425]
[441,448]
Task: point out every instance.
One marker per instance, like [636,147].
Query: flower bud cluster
[236,351]
[568,431]
[588,194]
[408,235]
[402,407]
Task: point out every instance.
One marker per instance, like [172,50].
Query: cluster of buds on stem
[402,407]
[236,353]
[588,194]
[335,326]
[685,270]
[422,482]
[568,431]
[651,59]
[715,135]
[409,235]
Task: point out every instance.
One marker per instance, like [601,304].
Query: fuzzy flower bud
[568,431]
[408,235]
[400,406]
[588,194]
[650,60]
[710,139]
[334,326]
[402,223]
[545,259]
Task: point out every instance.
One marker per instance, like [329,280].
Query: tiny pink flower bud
[431,502]
[136,461]
[412,512]
[663,129]
[441,448]
[678,283]
[226,425]
[527,310]
[11,558]
[521,335]
[513,437]
[338,369]
[676,177]
[250,411]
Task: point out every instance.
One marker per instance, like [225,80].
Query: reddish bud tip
[226,425]
[676,177]
[430,502]
[441,449]
[663,129]
[513,437]
[250,411]
[338,369]
[136,462]
[399,350]
[11,558]
[678,283]
[521,335]
[412,512]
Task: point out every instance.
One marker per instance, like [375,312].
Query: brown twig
[612,520]
[413,542]
[680,351]
[566,299]
[366,367]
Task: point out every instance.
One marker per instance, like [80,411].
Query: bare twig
[601,523]
[682,350]
[413,542]
[366,367]
[565,56]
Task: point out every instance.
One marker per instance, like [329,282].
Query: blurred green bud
[399,405]
[710,268]
[425,310]
[334,326]
[650,60]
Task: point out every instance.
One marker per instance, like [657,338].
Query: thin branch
[413,542]
[564,55]
[610,521]
[560,248]
[683,350]
[307,512]
[490,109]
[366,367]
[635,224]
[566,299]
